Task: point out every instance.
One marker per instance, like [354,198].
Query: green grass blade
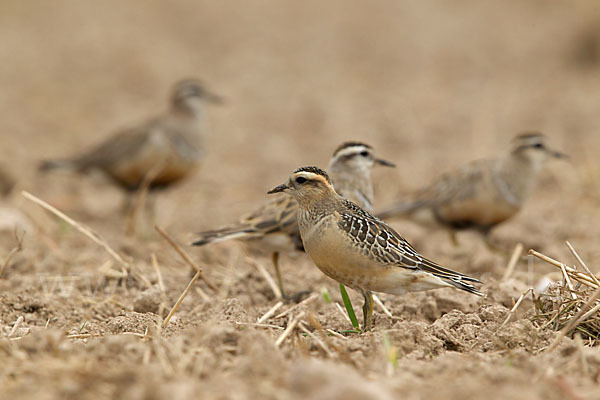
[349,308]
[391,352]
[326,296]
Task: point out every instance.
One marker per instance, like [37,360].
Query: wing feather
[278,215]
[387,247]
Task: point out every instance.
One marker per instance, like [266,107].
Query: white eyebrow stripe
[352,150]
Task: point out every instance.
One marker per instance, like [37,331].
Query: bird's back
[277,217]
[466,197]
[169,147]
[363,252]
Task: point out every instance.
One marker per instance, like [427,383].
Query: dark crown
[314,170]
[529,135]
[345,145]
[188,88]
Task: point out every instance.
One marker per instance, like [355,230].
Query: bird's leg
[275,260]
[150,207]
[130,212]
[493,247]
[453,237]
[143,202]
[297,297]
[367,311]
[128,204]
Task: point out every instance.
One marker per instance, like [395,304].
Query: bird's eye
[364,153]
[538,146]
[300,180]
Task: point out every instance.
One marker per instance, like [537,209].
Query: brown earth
[428,84]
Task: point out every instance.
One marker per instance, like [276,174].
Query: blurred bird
[170,145]
[358,250]
[274,225]
[483,193]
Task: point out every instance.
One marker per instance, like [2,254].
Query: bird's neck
[188,108]
[314,212]
[318,204]
[516,177]
[355,186]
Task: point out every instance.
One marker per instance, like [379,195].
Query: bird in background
[273,226]
[164,149]
[483,193]
[353,247]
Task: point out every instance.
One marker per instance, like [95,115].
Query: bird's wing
[454,186]
[122,145]
[387,247]
[278,215]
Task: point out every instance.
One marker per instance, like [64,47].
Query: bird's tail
[227,233]
[456,279]
[49,165]
[462,282]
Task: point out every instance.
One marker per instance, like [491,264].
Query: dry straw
[79,226]
[512,263]
[317,340]
[180,299]
[571,308]
[12,253]
[290,328]
[89,233]
[186,257]
[304,302]
[16,326]
[159,277]
[270,313]
[141,196]
[268,278]
[382,306]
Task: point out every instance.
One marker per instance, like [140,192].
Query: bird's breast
[484,210]
[157,153]
[341,259]
[337,257]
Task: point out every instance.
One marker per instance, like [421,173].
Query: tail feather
[49,165]
[456,279]
[228,233]
[459,282]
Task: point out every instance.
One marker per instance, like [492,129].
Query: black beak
[278,189]
[385,163]
[213,98]
[558,154]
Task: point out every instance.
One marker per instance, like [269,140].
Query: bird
[164,149]
[274,225]
[351,246]
[483,193]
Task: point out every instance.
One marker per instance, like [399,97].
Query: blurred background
[429,84]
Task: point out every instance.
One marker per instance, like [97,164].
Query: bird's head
[533,146]
[306,184]
[355,158]
[190,94]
